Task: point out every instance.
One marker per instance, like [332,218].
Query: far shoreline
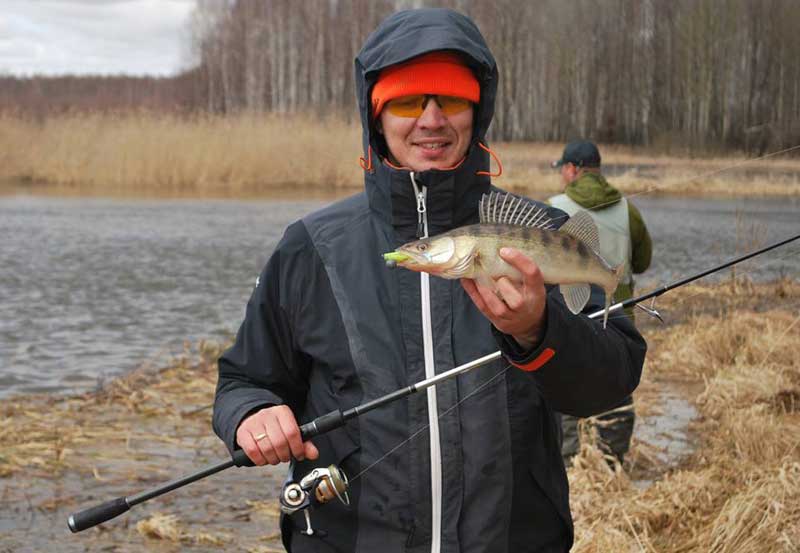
[245,156]
[724,190]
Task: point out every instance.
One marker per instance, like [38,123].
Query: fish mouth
[397,257]
[405,260]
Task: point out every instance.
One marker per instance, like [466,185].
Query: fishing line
[425,427]
[677,301]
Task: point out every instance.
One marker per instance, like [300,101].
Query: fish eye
[422,247]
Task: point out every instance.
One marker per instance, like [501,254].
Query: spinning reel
[319,486]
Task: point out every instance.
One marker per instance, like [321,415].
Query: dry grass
[138,432]
[255,155]
[137,154]
[739,491]
[48,435]
[527,168]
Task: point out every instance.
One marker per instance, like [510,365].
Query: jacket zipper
[430,371]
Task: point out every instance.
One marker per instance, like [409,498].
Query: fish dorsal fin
[581,226]
[575,296]
[508,209]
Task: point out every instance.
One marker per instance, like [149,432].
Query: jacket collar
[592,190]
[452,196]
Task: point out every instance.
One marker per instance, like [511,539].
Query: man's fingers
[279,437]
[292,434]
[268,450]
[496,307]
[485,300]
[531,275]
[250,447]
[278,440]
[311,451]
[512,296]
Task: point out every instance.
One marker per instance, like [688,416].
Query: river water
[92,288]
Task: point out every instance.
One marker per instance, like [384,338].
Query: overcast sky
[54,37]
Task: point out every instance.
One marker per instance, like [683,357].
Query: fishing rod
[325,484]
[683,281]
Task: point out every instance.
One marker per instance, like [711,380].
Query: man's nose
[432,116]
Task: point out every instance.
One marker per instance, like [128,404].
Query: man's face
[431,141]
[568,173]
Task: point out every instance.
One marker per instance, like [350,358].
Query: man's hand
[272,436]
[518,311]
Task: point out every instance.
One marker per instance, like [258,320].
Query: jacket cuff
[533,359]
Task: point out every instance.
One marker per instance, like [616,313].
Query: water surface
[91,288]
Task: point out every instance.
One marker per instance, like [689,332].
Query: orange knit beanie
[434,73]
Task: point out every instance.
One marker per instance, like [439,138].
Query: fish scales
[563,261]
[567,256]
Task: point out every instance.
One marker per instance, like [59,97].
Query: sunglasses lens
[413,106]
[406,106]
[452,104]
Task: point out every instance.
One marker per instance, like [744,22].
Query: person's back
[624,239]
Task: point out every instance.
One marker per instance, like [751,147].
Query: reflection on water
[91,288]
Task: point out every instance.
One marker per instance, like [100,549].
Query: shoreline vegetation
[730,347]
[145,154]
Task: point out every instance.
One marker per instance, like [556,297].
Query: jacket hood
[411,33]
[592,190]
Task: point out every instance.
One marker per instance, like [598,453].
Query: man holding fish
[474,465]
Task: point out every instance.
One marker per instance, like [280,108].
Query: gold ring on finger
[260,437]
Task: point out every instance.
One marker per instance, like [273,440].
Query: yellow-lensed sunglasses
[414,105]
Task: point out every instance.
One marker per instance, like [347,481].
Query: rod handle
[240,459]
[322,424]
[99,513]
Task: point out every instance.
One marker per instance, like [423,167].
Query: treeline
[40,97]
[702,74]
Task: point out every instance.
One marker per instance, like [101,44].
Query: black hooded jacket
[329,327]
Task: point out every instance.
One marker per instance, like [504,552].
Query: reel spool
[319,486]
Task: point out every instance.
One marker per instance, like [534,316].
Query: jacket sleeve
[581,368]
[642,245]
[263,367]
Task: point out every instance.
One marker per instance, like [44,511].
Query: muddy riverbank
[61,454]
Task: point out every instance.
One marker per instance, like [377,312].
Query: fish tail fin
[619,270]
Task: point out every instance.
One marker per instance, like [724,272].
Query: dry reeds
[255,155]
[527,169]
[144,153]
[739,491]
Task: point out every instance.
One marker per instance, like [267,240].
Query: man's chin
[436,164]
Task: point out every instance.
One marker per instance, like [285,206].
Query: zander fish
[567,256]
